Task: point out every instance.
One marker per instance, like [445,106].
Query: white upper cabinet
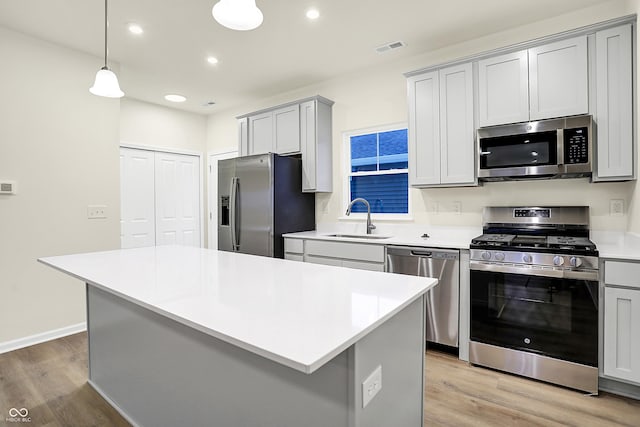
[286,128]
[302,127]
[558,83]
[539,83]
[441,130]
[243,136]
[276,131]
[261,133]
[457,153]
[614,104]
[503,89]
[424,129]
[315,144]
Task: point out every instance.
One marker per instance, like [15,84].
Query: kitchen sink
[359,236]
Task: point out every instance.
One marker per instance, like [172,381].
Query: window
[378,169]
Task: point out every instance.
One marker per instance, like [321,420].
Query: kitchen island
[190,336]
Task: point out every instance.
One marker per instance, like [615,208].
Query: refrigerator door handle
[233,214]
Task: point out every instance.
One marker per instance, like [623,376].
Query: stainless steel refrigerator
[260,198]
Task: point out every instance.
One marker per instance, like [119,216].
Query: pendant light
[106,83]
[239,15]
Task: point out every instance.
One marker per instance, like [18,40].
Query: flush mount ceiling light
[175,98]
[242,15]
[106,83]
[135,28]
[313,14]
[212,60]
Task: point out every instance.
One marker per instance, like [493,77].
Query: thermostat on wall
[7,187]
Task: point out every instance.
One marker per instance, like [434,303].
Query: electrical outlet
[616,207]
[457,208]
[371,386]
[96,211]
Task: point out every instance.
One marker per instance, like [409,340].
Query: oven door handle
[526,270]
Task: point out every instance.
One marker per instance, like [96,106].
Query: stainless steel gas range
[534,295]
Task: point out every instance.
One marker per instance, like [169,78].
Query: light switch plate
[96,211]
[7,187]
[371,386]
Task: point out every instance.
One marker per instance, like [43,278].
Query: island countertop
[297,314]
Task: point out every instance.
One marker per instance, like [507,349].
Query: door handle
[233,220]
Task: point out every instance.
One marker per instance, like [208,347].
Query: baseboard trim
[8,346]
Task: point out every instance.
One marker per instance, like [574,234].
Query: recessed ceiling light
[175,98]
[135,29]
[212,60]
[313,14]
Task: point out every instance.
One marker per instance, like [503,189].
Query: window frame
[347,174]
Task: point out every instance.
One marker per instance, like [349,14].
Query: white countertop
[617,245]
[448,238]
[298,314]
[611,244]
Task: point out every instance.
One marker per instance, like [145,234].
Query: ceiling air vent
[390,46]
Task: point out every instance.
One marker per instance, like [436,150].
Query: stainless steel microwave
[555,148]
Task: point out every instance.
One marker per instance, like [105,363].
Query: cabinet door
[424,129]
[243,136]
[558,84]
[286,122]
[614,104]
[261,133]
[456,125]
[308,145]
[622,334]
[503,89]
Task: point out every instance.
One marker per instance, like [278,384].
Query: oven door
[520,155]
[551,316]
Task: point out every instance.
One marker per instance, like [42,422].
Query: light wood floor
[49,380]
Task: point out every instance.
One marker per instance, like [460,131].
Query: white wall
[60,144]
[153,125]
[377,97]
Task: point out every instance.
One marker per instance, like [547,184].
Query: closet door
[177,178]
[137,194]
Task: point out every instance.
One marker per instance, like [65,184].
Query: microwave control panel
[576,145]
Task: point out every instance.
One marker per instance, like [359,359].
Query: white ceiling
[287,52]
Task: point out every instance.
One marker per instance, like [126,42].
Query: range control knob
[527,258]
[499,256]
[558,260]
[485,255]
[575,261]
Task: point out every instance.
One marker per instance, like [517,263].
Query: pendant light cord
[105,34]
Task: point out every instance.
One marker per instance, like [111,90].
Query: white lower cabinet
[340,254]
[622,321]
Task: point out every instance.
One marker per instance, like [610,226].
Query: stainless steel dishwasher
[442,301]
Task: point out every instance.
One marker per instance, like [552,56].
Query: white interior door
[177,178]
[213,195]
[137,194]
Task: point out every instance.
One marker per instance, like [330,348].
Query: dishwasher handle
[422,252]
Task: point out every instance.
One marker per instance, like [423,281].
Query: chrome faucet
[370,225]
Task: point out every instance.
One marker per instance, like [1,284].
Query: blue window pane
[364,153]
[385,193]
[393,150]
[393,142]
